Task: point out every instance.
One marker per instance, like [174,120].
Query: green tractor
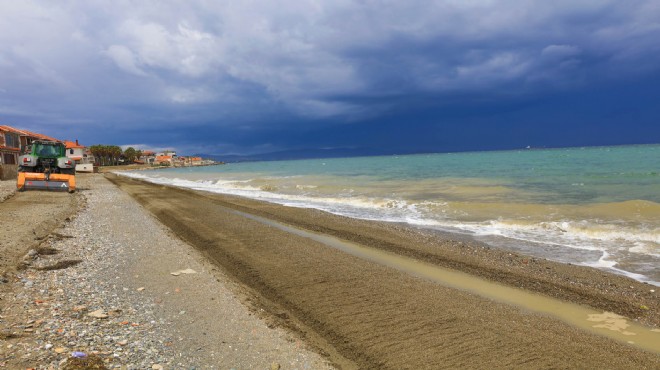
[44,165]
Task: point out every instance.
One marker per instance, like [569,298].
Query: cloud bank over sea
[230,68]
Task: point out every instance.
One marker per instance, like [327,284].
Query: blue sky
[389,76]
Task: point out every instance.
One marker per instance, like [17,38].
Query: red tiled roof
[73,145]
[27,133]
[10,129]
[3,142]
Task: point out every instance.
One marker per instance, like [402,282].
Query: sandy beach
[148,276]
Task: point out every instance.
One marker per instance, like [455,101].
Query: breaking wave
[608,234]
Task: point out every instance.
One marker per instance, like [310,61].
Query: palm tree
[105,154]
[97,151]
[116,153]
[130,154]
[103,149]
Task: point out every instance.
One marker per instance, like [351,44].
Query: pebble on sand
[98,314]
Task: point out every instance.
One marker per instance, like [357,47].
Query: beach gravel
[7,188]
[114,284]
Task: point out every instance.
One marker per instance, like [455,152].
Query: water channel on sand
[376,295]
[602,323]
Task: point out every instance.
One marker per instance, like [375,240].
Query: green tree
[107,159]
[99,154]
[115,153]
[130,154]
[106,155]
[94,150]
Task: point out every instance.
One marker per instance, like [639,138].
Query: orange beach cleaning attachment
[46,181]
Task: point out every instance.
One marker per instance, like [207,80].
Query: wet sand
[362,313]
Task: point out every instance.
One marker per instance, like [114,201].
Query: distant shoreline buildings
[14,140]
[171,159]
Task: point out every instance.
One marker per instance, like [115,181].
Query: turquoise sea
[595,206]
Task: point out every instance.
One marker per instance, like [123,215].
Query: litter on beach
[186,271]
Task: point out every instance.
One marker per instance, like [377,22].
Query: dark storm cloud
[259,76]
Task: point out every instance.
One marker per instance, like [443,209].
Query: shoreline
[591,286]
[313,288]
[614,236]
[262,296]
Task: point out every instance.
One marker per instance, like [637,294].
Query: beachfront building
[164,160]
[27,137]
[179,161]
[170,153]
[81,155]
[148,157]
[195,161]
[9,150]
[74,150]
[170,158]
[187,161]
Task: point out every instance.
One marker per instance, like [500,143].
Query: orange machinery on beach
[43,165]
[46,181]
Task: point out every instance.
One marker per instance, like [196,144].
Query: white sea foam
[602,262]
[578,235]
[606,264]
[645,248]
